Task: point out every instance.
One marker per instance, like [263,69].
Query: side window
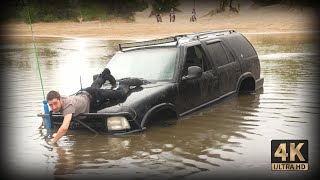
[241,46]
[195,57]
[218,54]
[230,56]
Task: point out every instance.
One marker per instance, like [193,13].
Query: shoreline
[141,39]
[267,20]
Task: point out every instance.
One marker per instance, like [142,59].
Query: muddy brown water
[229,139]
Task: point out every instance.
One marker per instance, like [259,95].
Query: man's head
[54,100]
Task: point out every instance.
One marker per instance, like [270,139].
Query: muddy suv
[182,74]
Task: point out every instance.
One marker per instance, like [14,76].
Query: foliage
[290,3]
[225,5]
[26,11]
[43,11]
[266,2]
[88,10]
[71,10]
[91,11]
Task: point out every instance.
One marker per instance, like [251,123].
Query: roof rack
[171,39]
[198,35]
[149,42]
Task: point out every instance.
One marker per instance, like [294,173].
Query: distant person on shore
[172,15]
[193,16]
[158,16]
[90,99]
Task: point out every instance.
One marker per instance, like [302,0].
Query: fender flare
[156,108]
[244,76]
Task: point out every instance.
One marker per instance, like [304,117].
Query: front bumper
[95,122]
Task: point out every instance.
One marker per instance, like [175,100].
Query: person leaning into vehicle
[89,98]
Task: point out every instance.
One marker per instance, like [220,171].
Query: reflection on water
[232,136]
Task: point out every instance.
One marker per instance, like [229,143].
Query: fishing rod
[45,104]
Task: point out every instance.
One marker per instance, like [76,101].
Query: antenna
[80,83]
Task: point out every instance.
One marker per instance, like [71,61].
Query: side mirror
[193,73]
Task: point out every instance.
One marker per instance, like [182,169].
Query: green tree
[70,10]
[289,3]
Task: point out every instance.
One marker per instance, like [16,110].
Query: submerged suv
[182,74]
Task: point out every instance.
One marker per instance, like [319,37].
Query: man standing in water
[87,99]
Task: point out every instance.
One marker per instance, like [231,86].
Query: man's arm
[63,128]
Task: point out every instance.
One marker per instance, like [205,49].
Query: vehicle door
[228,68]
[192,93]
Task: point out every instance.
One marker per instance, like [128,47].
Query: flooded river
[229,139]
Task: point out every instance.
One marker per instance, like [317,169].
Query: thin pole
[45,103]
[36,52]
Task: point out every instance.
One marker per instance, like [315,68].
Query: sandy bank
[249,20]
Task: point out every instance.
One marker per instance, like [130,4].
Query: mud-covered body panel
[226,61]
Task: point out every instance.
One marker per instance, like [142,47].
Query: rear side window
[241,46]
[218,54]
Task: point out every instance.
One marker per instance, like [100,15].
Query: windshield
[149,64]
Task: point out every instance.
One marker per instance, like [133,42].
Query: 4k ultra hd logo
[289,155]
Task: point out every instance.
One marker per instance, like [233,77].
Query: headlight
[117,123]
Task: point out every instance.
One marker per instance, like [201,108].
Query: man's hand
[63,128]
[52,142]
